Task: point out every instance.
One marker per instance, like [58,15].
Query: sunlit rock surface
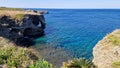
[107,51]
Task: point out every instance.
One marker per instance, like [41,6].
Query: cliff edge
[107,51]
[21,25]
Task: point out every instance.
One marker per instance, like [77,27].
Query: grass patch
[17,57]
[78,63]
[116,64]
[19,16]
[115,40]
[11,9]
[41,64]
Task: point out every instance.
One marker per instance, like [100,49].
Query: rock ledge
[107,51]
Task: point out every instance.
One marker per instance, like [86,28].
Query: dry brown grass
[12,14]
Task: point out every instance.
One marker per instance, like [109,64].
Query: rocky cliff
[21,25]
[107,52]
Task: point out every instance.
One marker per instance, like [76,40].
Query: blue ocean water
[78,30]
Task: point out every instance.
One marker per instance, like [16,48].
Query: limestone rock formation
[107,51]
[21,25]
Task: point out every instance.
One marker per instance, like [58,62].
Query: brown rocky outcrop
[21,25]
[107,51]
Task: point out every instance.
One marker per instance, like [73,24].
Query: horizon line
[57,8]
[74,8]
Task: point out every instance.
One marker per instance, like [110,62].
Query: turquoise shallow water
[77,31]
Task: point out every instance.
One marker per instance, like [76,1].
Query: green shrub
[114,39]
[78,63]
[15,57]
[41,64]
[19,16]
[116,64]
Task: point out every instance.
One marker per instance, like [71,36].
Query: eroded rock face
[107,51]
[29,27]
[32,27]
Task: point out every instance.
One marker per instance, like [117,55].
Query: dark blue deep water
[78,30]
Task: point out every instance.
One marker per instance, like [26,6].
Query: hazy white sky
[61,3]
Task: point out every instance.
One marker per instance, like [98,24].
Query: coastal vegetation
[115,40]
[12,56]
[78,63]
[19,16]
[10,9]
[116,64]
[41,64]
[17,13]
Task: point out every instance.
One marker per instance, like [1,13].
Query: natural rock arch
[39,20]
